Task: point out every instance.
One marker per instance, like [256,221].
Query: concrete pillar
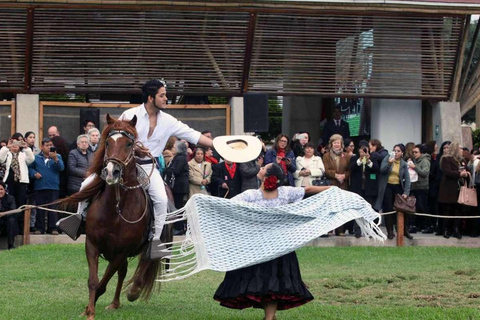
[236,115]
[447,120]
[302,113]
[396,121]
[28,114]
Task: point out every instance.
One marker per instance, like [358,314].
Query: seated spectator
[93,139]
[45,170]
[309,167]
[9,222]
[199,173]
[78,162]
[281,154]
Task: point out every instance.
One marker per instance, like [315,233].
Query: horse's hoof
[133,293]
[113,306]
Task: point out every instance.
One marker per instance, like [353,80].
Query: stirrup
[71,225]
[155,249]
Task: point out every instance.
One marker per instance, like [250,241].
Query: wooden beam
[458,72]
[29,49]
[247,61]
[469,61]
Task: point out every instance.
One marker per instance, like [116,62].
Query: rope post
[26,226]
[400,228]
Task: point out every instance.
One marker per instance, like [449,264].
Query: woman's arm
[315,189]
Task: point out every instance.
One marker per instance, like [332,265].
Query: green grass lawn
[50,282]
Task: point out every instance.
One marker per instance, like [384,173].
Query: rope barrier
[27,206]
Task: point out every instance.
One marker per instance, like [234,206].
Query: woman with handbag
[309,167]
[453,168]
[337,167]
[393,179]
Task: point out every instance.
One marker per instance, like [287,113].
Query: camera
[284,159]
[17,143]
[365,150]
[53,149]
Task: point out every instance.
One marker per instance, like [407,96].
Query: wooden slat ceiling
[196,52]
[354,55]
[12,52]
[211,52]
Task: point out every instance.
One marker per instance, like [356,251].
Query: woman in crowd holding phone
[393,179]
[281,154]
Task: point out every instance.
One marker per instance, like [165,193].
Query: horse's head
[119,149]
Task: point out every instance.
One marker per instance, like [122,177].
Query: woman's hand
[404,196]
[279,159]
[288,161]
[463,174]
[411,165]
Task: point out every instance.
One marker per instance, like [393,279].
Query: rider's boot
[72,224]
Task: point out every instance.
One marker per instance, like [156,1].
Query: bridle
[123,164]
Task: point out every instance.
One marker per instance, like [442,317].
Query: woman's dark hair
[17,136]
[277,139]
[401,146]
[421,147]
[28,134]
[308,145]
[363,144]
[62,147]
[346,142]
[377,143]
[150,88]
[430,147]
[275,170]
[440,152]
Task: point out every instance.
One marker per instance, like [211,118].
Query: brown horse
[118,216]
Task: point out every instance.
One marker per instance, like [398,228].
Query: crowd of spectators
[56,168]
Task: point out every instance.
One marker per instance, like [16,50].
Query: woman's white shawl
[225,235]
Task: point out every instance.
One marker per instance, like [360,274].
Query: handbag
[169,177]
[468,194]
[404,205]
[322,181]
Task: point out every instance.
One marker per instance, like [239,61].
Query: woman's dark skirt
[276,280]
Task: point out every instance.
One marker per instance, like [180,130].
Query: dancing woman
[275,284]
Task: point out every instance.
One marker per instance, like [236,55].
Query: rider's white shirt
[167,126]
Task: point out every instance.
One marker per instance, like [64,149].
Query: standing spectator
[393,179]
[62,148]
[337,167]
[309,167]
[3,143]
[199,173]
[45,170]
[453,168]
[349,147]
[421,165]
[170,150]
[298,143]
[363,177]
[93,139]
[7,203]
[78,162]
[431,148]
[53,132]
[209,156]
[336,126]
[281,154]
[214,154]
[474,168]
[226,180]
[87,125]
[30,140]
[17,156]
[408,151]
[377,151]
[437,178]
[248,173]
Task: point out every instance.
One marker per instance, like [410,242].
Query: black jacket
[7,203]
[370,186]
[179,166]
[221,175]
[78,164]
[248,172]
[329,129]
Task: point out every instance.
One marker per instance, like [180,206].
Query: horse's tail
[147,272]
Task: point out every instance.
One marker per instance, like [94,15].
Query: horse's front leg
[122,273]
[92,258]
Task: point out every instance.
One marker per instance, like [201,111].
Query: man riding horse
[154,127]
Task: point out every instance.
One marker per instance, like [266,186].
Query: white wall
[396,121]
[446,115]
[236,115]
[27,114]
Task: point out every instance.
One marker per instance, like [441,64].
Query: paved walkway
[419,239]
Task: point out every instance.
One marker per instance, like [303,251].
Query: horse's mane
[96,167]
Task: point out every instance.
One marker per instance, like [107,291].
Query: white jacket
[25,157]
[315,166]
